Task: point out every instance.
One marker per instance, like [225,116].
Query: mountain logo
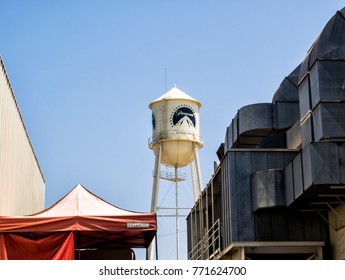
[183,114]
[153,121]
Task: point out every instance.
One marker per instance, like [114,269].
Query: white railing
[208,246]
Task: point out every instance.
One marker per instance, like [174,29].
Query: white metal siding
[22,184]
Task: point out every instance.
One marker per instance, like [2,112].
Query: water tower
[175,142]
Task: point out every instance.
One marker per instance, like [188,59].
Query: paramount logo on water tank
[183,115]
[180,112]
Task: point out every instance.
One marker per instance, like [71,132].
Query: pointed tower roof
[175,93]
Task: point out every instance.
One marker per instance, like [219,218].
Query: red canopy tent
[80,220]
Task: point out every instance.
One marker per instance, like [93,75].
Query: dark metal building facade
[279,189]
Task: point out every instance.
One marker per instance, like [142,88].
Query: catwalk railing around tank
[168,136]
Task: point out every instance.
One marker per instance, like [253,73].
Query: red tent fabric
[80,220]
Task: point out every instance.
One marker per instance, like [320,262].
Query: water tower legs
[155,190]
[154,199]
[196,154]
[192,172]
[177,216]
[156,176]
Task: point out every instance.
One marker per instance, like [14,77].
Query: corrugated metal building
[279,190]
[22,185]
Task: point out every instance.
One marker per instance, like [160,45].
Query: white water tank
[176,126]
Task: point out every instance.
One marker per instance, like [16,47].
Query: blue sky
[84,72]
